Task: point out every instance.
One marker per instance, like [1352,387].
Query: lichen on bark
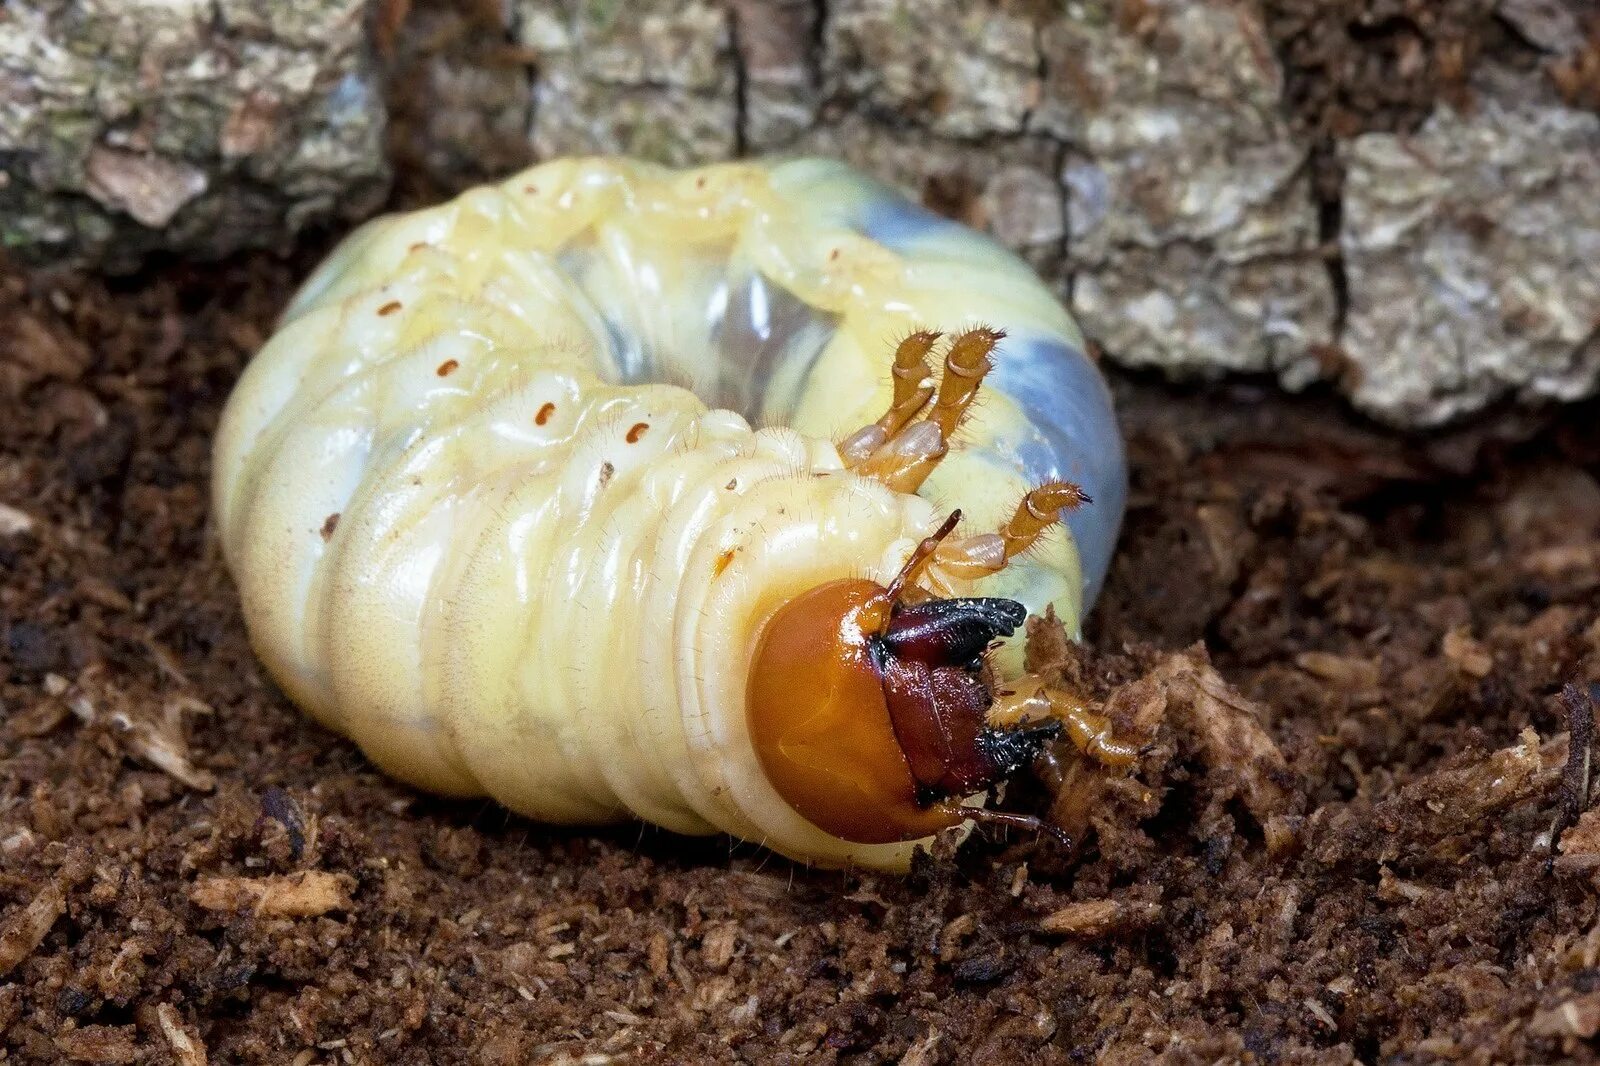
[192,126]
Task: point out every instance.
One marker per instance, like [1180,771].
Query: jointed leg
[907,452]
[985,818]
[978,556]
[965,365]
[1030,699]
[1039,510]
[913,388]
[1029,703]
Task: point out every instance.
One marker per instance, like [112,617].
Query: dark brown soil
[1337,846]
[1396,612]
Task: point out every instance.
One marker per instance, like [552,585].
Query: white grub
[450,606]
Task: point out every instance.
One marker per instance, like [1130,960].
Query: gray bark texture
[192,126]
[1140,154]
[1472,252]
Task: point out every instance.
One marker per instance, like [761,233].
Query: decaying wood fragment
[1096,917]
[1442,814]
[1210,722]
[26,929]
[1579,706]
[306,894]
[185,1043]
[158,742]
[1228,730]
[1578,1017]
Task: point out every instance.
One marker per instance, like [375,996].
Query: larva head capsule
[868,715]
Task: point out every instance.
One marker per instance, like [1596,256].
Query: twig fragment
[1573,797]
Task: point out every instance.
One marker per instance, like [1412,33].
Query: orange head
[868,714]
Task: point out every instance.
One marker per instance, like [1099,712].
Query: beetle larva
[496,510]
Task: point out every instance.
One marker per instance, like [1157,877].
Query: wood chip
[1467,654]
[1228,728]
[1392,889]
[1576,1017]
[1346,671]
[924,1052]
[1436,813]
[159,743]
[26,929]
[47,349]
[99,1043]
[13,521]
[298,895]
[1096,917]
[99,591]
[185,1043]
[716,947]
[1580,845]
[1500,780]
[1563,560]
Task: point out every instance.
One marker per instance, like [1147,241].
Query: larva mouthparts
[497,512]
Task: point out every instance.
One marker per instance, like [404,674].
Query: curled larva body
[497,512]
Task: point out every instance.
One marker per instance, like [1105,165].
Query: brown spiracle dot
[544,414]
[329,525]
[639,430]
[447,368]
[389,308]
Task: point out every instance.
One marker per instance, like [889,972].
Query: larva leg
[913,388]
[965,365]
[905,459]
[978,556]
[986,818]
[1030,704]
[1030,701]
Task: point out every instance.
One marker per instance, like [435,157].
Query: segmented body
[497,511]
